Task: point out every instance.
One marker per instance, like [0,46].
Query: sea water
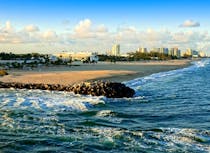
[169,113]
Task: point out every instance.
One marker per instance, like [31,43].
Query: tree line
[137,56]
[12,56]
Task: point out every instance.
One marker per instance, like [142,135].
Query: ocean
[169,113]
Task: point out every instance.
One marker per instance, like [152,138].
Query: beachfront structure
[177,52]
[174,52]
[11,61]
[22,61]
[155,50]
[53,58]
[195,53]
[115,50]
[160,50]
[192,53]
[142,50]
[80,56]
[202,54]
[189,52]
[164,50]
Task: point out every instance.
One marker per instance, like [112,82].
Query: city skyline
[53,26]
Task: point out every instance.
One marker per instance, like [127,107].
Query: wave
[154,140]
[46,100]
[65,101]
[138,82]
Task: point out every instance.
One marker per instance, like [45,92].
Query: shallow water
[169,113]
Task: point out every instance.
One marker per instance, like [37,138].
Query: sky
[52,26]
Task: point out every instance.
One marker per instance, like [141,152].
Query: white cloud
[83,26]
[190,23]
[50,35]
[31,28]
[127,34]
[87,36]
[8,28]
[85,30]
[102,29]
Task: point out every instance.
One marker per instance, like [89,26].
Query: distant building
[192,53]
[163,50]
[195,53]
[53,58]
[115,50]
[189,52]
[11,61]
[202,54]
[175,52]
[80,56]
[142,50]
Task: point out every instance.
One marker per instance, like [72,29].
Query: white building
[174,52]
[189,52]
[80,56]
[115,50]
[202,54]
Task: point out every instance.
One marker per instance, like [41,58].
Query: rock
[108,89]
[3,72]
[97,88]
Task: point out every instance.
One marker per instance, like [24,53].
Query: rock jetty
[96,88]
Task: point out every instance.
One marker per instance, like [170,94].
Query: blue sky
[116,19]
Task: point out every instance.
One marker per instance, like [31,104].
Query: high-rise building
[164,50]
[142,50]
[171,52]
[189,52]
[202,54]
[116,50]
[175,52]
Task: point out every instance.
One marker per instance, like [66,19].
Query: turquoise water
[169,113]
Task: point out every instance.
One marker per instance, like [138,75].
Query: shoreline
[161,66]
[128,77]
[118,72]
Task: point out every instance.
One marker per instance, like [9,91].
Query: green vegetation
[136,56]
[12,56]
[107,58]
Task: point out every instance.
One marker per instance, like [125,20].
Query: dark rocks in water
[97,88]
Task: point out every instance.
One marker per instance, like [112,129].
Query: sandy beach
[118,72]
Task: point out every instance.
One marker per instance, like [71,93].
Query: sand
[64,78]
[118,72]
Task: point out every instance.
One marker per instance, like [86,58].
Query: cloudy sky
[49,26]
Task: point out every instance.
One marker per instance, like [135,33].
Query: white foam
[104,113]
[185,136]
[138,82]
[168,139]
[201,63]
[46,100]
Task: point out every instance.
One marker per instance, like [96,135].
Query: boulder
[97,88]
